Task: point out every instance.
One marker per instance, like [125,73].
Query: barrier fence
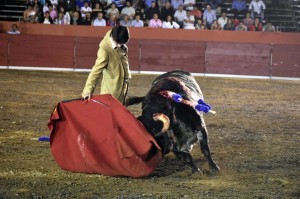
[159,53]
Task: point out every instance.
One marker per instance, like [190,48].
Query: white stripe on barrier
[150,73]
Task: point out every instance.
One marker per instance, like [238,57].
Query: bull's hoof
[215,169]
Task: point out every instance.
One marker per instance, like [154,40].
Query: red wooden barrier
[3,50]
[238,58]
[286,61]
[165,55]
[41,51]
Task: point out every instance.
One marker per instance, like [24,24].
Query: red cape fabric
[101,136]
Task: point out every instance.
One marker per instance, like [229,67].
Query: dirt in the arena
[254,138]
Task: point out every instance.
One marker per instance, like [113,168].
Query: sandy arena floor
[254,138]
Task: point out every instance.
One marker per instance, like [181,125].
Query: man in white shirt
[223,20]
[257,7]
[99,21]
[137,22]
[179,15]
[189,4]
[85,9]
[188,21]
[128,10]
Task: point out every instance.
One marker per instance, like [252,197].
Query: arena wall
[206,52]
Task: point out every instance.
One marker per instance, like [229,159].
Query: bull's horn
[165,120]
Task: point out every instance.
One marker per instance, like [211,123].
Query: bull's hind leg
[186,156]
[206,150]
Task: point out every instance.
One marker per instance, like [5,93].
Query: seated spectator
[196,13]
[215,5]
[75,18]
[188,21]
[256,26]
[128,10]
[198,24]
[209,16]
[241,27]
[152,10]
[53,13]
[119,4]
[179,16]
[125,21]
[148,3]
[29,13]
[79,4]
[14,30]
[166,11]
[257,7]
[96,10]
[170,24]
[87,20]
[162,3]
[215,25]
[137,22]
[268,27]
[239,7]
[60,20]
[99,21]
[189,4]
[47,18]
[229,25]
[176,3]
[54,3]
[155,22]
[112,21]
[236,22]
[45,7]
[69,5]
[85,9]
[248,21]
[112,11]
[222,20]
[67,16]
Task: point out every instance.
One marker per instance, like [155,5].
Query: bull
[172,111]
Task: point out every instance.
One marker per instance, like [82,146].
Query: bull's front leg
[186,156]
[206,150]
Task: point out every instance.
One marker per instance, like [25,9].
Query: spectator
[125,21]
[229,25]
[222,20]
[215,5]
[85,9]
[112,11]
[268,27]
[236,22]
[148,3]
[45,7]
[47,18]
[99,21]
[176,3]
[155,22]
[14,30]
[179,16]
[60,20]
[209,16]
[162,3]
[54,3]
[215,25]
[196,13]
[248,21]
[96,10]
[189,4]
[137,22]
[87,20]
[241,27]
[166,11]
[53,13]
[119,4]
[188,21]
[198,24]
[169,23]
[67,16]
[239,7]
[152,10]
[29,13]
[257,7]
[128,10]
[112,21]
[256,26]
[69,5]
[79,4]
[75,18]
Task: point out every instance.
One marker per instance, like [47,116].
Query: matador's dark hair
[120,34]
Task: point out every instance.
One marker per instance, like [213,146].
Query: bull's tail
[133,100]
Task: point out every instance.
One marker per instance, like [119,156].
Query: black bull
[176,125]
